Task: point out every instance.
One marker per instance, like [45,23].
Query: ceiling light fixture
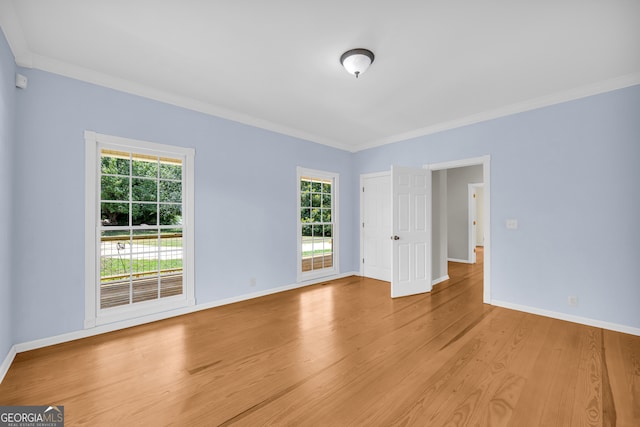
[356,61]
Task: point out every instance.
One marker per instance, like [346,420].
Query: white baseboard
[71,336]
[6,363]
[439,280]
[266,292]
[464,261]
[569,317]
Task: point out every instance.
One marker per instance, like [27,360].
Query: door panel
[411,226]
[376,218]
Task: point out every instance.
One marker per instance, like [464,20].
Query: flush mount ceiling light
[356,61]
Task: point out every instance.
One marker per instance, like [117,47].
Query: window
[140,213]
[317,224]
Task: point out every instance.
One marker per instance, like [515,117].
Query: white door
[376,226]
[411,227]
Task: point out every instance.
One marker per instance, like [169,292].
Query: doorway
[376,206]
[485,162]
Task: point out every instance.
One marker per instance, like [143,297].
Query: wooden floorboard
[342,353]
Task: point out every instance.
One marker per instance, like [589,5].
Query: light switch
[512,224]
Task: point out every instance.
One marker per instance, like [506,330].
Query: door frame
[485,161]
[473,208]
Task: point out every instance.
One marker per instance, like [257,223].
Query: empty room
[320,213]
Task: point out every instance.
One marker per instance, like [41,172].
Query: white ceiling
[275,64]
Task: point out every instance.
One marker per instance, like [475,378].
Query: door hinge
[363,225]
[363,260]
[363,189]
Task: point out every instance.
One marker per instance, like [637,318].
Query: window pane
[112,214]
[144,190]
[144,168]
[305,199]
[326,200]
[171,191]
[145,289]
[144,265]
[317,230]
[316,187]
[114,166]
[305,185]
[326,215]
[328,231]
[171,263]
[142,213]
[114,188]
[171,214]
[316,215]
[305,215]
[171,285]
[115,252]
[144,242]
[316,200]
[307,231]
[171,239]
[326,188]
[169,171]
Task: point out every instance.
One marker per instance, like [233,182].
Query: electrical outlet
[572,300]
[512,224]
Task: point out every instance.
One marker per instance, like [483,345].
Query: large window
[317,224]
[139,212]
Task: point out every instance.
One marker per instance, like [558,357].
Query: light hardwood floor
[342,354]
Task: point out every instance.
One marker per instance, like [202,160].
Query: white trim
[51,65]
[94,316]
[335,231]
[90,218]
[6,363]
[471,161]
[569,317]
[24,57]
[440,280]
[485,161]
[471,216]
[520,107]
[463,261]
[102,329]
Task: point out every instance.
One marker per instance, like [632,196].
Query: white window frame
[94,315]
[304,276]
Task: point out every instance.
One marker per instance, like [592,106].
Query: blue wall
[7,135]
[570,174]
[245,197]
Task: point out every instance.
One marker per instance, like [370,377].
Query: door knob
[395,238]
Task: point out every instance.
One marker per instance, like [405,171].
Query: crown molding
[532,104]
[91,76]
[14,34]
